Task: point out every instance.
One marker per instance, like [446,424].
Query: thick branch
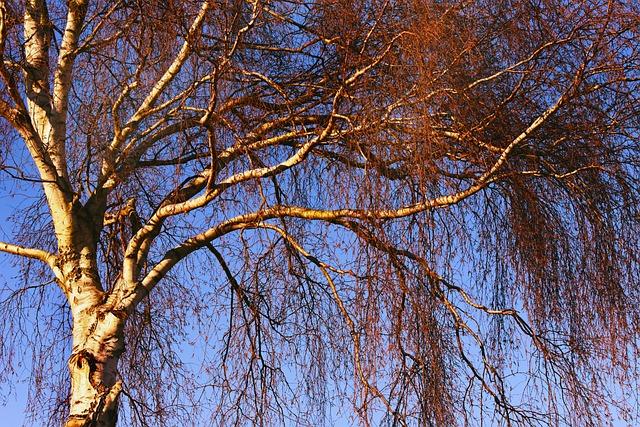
[38,254]
[66,58]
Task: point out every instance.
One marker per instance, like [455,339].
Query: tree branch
[38,254]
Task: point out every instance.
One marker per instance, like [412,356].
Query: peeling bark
[92,402]
[97,345]
[98,339]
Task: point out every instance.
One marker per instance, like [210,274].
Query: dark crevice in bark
[91,377]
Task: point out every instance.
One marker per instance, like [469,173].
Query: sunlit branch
[38,254]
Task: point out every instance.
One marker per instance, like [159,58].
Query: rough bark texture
[97,334]
[97,345]
[94,393]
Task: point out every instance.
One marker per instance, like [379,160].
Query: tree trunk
[94,396]
[97,345]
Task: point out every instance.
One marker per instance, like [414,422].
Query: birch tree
[406,213]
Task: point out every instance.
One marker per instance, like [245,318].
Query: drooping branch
[196,242]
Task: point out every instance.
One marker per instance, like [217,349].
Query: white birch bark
[97,333]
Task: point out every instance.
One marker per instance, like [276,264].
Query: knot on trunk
[85,363]
[98,402]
